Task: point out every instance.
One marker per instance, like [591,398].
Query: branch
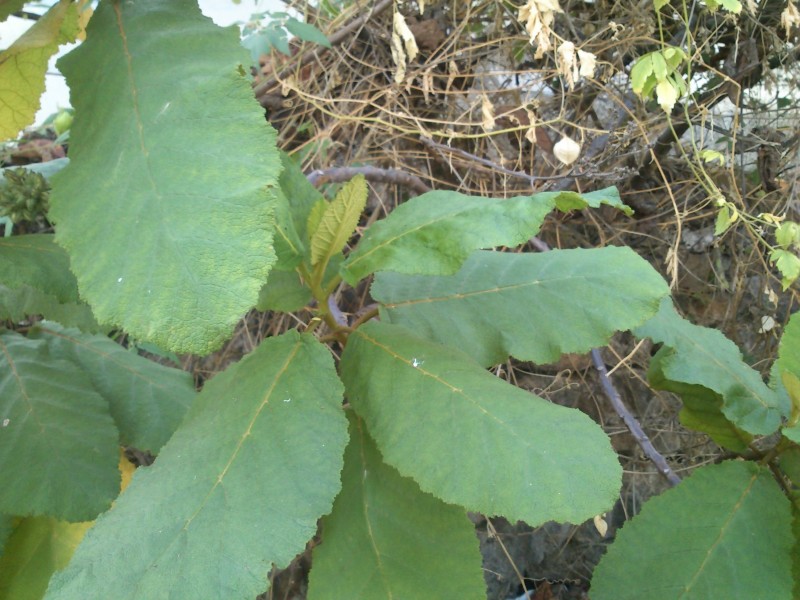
[487,163]
[339,174]
[630,421]
[619,406]
[261,89]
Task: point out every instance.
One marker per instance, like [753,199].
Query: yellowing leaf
[315,216]
[667,95]
[339,221]
[24,63]
[38,547]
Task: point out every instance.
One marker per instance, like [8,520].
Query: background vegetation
[688,108]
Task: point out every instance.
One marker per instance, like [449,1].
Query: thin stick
[619,406]
[630,421]
[396,176]
[487,163]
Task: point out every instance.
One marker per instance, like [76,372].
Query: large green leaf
[38,547]
[18,303]
[724,532]
[789,351]
[35,280]
[37,261]
[23,66]
[786,374]
[239,486]
[165,207]
[6,525]
[338,222]
[472,439]
[702,409]
[533,306]
[58,443]
[289,249]
[284,291]
[434,233]
[387,539]
[702,356]
[147,400]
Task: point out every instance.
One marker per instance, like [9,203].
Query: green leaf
[239,486]
[39,547]
[284,292]
[258,44]
[36,261]
[183,210]
[315,216]
[703,356]
[724,532]
[788,264]
[385,538]
[23,66]
[659,67]
[565,201]
[433,234]
[702,408]
[532,306]
[733,6]
[9,6]
[641,71]
[724,220]
[789,461]
[277,38]
[795,498]
[17,304]
[289,248]
[300,194]
[472,439]
[58,443]
[339,220]
[147,400]
[787,233]
[306,32]
[787,371]
[36,280]
[659,4]
[6,526]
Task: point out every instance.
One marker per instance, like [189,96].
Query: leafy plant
[175,216]
[261,38]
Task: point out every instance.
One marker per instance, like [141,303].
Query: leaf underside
[173,241]
[472,439]
[385,538]
[223,502]
[532,306]
[724,532]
